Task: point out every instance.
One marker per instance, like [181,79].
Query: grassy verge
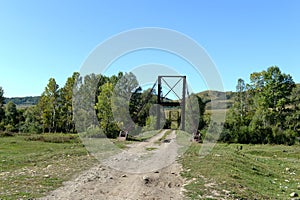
[145,135]
[121,144]
[253,172]
[32,165]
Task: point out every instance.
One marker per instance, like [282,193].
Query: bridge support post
[160,98]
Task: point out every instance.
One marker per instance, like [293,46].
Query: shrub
[31,128]
[54,138]
[6,134]
[10,128]
[227,136]
[290,137]
[244,137]
[2,126]
[278,135]
[95,132]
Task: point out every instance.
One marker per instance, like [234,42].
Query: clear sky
[42,39]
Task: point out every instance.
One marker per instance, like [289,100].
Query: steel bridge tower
[161,99]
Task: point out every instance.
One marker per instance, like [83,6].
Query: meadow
[239,171]
[33,164]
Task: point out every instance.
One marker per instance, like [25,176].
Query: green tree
[84,100]
[31,123]
[238,110]
[11,115]
[273,88]
[2,113]
[122,93]
[140,105]
[105,115]
[66,119]
[195,109]
[293,119]
[49,104]
[261,109]
[240,102]
[236,120]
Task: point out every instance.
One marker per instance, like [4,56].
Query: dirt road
[147,170]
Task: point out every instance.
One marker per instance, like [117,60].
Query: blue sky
[43,39]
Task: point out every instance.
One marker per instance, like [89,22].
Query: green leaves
[261,112]
[104,108]
[2,114]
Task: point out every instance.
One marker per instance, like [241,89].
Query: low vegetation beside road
[243,171]
[31,165]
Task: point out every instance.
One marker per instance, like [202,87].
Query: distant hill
[23,101]
[207,96]
[217,98]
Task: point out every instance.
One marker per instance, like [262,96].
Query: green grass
[255,172]
[54,138]
[121,144]
[165,135]
[151,148]
[31,165]
[183,139]
[145,135]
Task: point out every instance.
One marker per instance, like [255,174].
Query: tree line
[265,110]
[50,114]
[23,101]
[55,108]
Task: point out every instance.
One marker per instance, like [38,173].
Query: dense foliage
[54,110]
[265,111]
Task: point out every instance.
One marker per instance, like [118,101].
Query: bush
[95,132]
[31,128]
[278,135]
[6,134]
[54,138]
[2,126]
[290,137]
[10,128]
[227,136]
[266,135]
[212,133]
[244,137]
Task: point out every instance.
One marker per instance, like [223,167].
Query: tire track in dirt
[134,174]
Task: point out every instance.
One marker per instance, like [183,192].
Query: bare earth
[147,170]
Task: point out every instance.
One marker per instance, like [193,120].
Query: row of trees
[266,110]
[52,113]
[9,115]
[113,103]
[92,98]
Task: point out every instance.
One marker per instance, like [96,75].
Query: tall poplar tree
[49,104]
[66,119]
[2,114]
